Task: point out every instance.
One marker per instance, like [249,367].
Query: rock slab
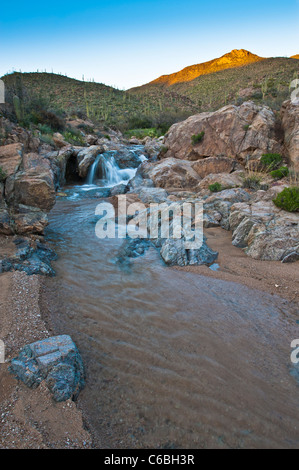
[55,360]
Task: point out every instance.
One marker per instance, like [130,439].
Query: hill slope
[265,81]
[295,56]
[235,58]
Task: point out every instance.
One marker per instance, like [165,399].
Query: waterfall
[111,174]
[92,171]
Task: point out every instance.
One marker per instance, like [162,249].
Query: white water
[111,173]
[92,171]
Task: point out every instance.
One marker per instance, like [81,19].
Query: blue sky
[128,43]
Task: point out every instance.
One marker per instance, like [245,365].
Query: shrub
[47,139]
[271,160]
[280,173]
[288,199]
[196,138]
[252,182]
[73,137]
[215,187]
[3,174]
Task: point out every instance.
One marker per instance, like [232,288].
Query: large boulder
[173,173]
[34,185]
[290,124]
[231,131]
[10,158]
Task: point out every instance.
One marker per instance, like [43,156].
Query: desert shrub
[86,128]
[47,139]
[163,150]
[73,136]
[252,182]
[49,119]
[271,161]
[215,187]
[3,174]
[44,129]
[288,199]
[141,133]
[280,173]
[196,138]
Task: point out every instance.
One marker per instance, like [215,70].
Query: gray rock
[55,360]
[174,253]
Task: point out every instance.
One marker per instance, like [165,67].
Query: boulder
[173,173]
[59,140]
[152,195]
[174,253]
[290,124]
[10,158]
[86,157]
[265,231]
[231,131]
[227,181]
[55,360]
[218,206]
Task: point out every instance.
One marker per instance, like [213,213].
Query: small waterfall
[111,174]
[92,171]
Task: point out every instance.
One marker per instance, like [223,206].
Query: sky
[126,43]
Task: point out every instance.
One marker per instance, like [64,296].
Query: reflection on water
[173,359]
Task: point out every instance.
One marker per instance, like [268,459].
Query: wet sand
[273,277]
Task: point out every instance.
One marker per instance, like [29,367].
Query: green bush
[215,187]
[196,138]
[280,173]
[141,133]
[3,174]
[73,136]
[288,199]
[271,160]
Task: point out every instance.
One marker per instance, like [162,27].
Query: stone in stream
[55,360]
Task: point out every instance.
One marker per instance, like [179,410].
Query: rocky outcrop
[55,360]
[231,131]
[218,206]
[290,124]
[266,232]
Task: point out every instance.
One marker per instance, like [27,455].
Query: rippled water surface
[173,359]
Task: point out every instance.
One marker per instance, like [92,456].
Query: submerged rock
[55,360]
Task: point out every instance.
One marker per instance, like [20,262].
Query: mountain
[235,58]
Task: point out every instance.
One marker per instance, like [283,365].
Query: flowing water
[173,359]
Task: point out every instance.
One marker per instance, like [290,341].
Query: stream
[173,359]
